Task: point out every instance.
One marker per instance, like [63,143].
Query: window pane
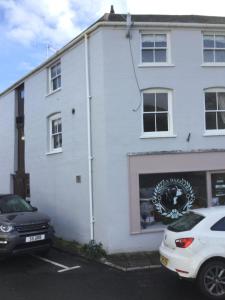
[208,55]
[54,126]
[220,41]
[59,81]
[210,119]
[148,40]
[60,140]
[55,141]
[161,102]
[149,102]
[58,69]
[166,197]
[147,56]
[221,101]
[59,126]
[54,84]
[160,55]
[220,55]
[218,189]
[149,122]
[162,122]
[208,41]
[53,71]
[160,40]
[210,101]
[221,120]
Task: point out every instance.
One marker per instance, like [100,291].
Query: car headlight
[6,228]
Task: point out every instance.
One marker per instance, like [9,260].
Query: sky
[29,27]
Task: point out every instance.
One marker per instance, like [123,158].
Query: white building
[124,129]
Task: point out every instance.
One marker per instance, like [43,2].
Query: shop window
[166,197]
[218,189]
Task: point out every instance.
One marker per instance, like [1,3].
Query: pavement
[121,261]
[133,261]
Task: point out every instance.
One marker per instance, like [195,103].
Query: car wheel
[211,279]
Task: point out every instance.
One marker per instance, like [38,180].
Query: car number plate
[164,261]
[35,238]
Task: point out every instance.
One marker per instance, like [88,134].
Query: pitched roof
[165,18]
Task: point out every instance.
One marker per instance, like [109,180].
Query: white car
[194,248]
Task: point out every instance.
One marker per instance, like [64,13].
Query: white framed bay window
[55,133]
[157,118]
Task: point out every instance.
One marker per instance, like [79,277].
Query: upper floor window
[157,112]
[215,110]
[154,48]
[214,48]
[55,76]
[55,133]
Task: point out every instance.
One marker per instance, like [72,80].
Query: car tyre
[211,279]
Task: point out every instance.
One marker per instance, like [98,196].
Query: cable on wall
[129,36]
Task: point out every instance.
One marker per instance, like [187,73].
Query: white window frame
[168,50]
[214,63]
[211,132]
[52,118]
[158,134]
[51,90]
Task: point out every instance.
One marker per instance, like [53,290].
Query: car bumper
[183,266]
[15,242]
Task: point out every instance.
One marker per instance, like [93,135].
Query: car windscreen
[186,222]
[13,204]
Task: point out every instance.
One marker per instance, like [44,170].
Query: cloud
[53,21]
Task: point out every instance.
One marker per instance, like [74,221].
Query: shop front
[164,186]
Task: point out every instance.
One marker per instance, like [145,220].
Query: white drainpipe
[90,158]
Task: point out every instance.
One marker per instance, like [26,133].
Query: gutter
[144,25]
[90,157]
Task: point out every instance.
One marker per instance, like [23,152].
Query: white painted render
[115,130]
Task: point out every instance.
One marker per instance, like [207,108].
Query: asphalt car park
[31,277]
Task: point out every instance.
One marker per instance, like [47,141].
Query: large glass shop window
[166,197]
[218,189]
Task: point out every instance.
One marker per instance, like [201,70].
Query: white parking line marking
[68,269]
[63,267]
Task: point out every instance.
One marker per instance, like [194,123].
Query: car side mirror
[34,208]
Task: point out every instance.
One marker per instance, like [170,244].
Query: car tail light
[184,242]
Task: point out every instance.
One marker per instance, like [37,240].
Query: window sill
[165,135]
[53,92]
[147,65]
[213,65]
[54,152]
[219,133]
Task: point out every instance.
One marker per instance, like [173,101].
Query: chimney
[112,10]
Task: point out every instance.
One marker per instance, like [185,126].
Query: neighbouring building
[122,130]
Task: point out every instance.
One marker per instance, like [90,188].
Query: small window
[219,226]
[214,48]
[215,111]
[157,115]
[55,77]
[154,48]
[55,133]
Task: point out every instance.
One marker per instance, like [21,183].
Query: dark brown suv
[22,228]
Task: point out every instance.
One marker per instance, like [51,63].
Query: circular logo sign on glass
[173,197]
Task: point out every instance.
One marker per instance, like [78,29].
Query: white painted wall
[7,144]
